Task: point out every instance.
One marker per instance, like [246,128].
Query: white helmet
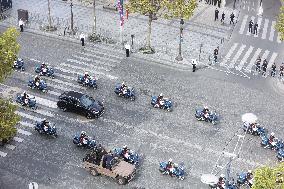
[161,94]
[43,63]
[122,83]
[249,171]
[86,73]
[83,133]
[272,134]
[36,76]
[205,107]
[222,175]
[170,160]
[124,146]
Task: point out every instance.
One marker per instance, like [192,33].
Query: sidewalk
[200,30]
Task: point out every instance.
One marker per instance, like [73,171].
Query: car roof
[74,94]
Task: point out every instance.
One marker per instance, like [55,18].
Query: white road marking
[252,61]
[249,33]
[272,30]
[272,59]
[244,22]
[244,60]
[3,154]
[21,131]
[96,60]
[34,60]
[27,124]
[265,55]
[264,31]
[64,83]
[10,146]
[54,93]
[17,139]
[84,64]
[28,116]
[46,102]
[238,54]
[229,54]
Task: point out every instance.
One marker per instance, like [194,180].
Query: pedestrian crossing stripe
[237,55]
[244,59]
[244,22]
[21,131]
[10,146]
[265,27]
[17,139]
[229,54]
[252,61]
[272,59]
[3,154]
[273,23]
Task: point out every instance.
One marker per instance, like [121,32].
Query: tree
[8,120]
[269,177]
[180,9]
[280,23]
[9,48]
[151,8]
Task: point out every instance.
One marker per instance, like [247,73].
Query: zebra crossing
[248,5]
[98,61]
[266,28]
[243,57]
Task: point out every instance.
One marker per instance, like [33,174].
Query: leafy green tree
[280,23]
[9,48]
[179,9]
[269,177]
[8,120]
[151,8]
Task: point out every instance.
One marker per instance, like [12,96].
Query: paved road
[158,135]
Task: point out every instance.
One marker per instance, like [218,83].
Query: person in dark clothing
[273,70]
[25,98]
[258,61]
[232,16]
[219,3]
[216,14]
[281,70]
[223,18]
[264,67]
[255,28]
[250,26]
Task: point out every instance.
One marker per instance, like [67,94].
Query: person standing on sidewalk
[250,26]
[194,63]
[82,38]
[21,24]
[232,16]
[216,14]
[127,49]
[255,28]
[223,18]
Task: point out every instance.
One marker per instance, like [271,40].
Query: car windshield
[86,100]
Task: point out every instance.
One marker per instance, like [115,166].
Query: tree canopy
[182,9]
[9,48]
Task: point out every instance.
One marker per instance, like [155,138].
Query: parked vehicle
[80,103]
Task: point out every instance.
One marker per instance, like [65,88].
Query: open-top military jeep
[110,166]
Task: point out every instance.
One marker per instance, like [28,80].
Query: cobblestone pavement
[158,135]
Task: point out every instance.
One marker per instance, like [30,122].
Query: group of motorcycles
[270,142]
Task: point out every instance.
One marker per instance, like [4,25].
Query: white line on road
[244,22]
[238,54]
[17,139]
[22,114]
[54,93]
[10,146]
[3,154]
[265,55]
[21,131]
[252,19]
[244,60]
[26,124]
[97,60]
[272,30]
[46,102]
[265,26]
[229,54]
[272,59]
[89,65]
[252,61]
[34,60]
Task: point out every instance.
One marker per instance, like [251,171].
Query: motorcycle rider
[249,178]
[86,77]
[123,88]
[45,125]
[25,98]
[273,69]
[43,68]
[221,182]
[281,70]
[205,112]
[258,61]
[264,66]
[125,152]
[170,166]
[271,138]
[37,80]
[83,138]
[160,100]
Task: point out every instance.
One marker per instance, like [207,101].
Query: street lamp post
[95,22]
[72,21]
[201,45]
[179,57]
[132,45]
[234,6]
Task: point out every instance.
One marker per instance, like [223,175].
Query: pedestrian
[215,2]
[210,2]
[216,51]
[250,25]
[193,62]
[216,14]
[264,66]
[127,49]
[219,3]
[82,38]
[232,16]
[21,24]
[223,18]
[255,28]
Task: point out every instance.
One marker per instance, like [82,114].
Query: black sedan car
[80,103]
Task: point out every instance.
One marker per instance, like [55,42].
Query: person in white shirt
[21,24]
[82,38]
